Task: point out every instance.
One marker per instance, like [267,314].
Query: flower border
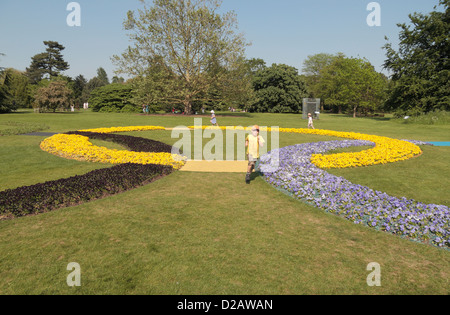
[52,195]
[78,147]
[386,150]
[298,177]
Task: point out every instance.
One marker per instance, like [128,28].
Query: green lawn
[206,233]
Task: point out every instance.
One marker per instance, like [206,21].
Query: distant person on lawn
[253,142]
[310,121]
[213,119]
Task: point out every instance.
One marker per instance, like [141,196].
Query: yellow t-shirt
[254,144]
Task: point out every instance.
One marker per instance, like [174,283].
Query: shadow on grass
[376,118]
[254,176]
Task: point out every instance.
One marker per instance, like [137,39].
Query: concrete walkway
[215,166]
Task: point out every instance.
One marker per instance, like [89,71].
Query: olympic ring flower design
[301,173]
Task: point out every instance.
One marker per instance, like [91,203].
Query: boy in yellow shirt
[253,142]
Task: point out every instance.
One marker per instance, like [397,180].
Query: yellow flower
[386,150]
[79,148]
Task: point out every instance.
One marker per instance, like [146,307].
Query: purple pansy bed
[290,170]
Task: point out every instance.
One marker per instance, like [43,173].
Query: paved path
[215,166]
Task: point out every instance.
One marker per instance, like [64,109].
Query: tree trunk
[187,105]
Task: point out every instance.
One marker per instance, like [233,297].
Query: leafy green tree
[278,89]
[188,38]
[117,79]
[111,98]
[18,88]
[78,87]
[102,75]
[255,64]
[421,66]
[154,86]
[50,63]
[234,90]
[5,96]
[352,85]
[2,68]
[92,84]
[56,95]
[312,66]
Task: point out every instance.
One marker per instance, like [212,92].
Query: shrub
[129,109]
[110,98]
[109,109]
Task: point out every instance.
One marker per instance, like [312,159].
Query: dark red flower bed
[96,184]
[77,189]
[135,144]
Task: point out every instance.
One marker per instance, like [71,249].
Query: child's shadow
[254,175]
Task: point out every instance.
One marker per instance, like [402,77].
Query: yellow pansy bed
[386,150]
[79,147]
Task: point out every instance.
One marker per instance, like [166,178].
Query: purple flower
[300,178]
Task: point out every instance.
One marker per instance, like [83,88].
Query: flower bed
[135,144]
[386,150]
[123,129]
[75,190]
[78,147]
[303,180]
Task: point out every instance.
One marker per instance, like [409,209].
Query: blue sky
[281,31]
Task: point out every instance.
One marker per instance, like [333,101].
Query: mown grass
[205,233]
[9,128]
[230,239]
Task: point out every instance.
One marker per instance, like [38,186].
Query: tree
[117,79]
[187,38]
[54,96]
[78,87]
[352,85]
[5,96]
[2,68]
[93,83]
[312,67]
[18,88]
[255,64]
[102,75]
[278,89]
[421,66]
[150,87]
[111,98]
[235,89]
[50,63]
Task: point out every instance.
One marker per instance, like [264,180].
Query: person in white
[310,121]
